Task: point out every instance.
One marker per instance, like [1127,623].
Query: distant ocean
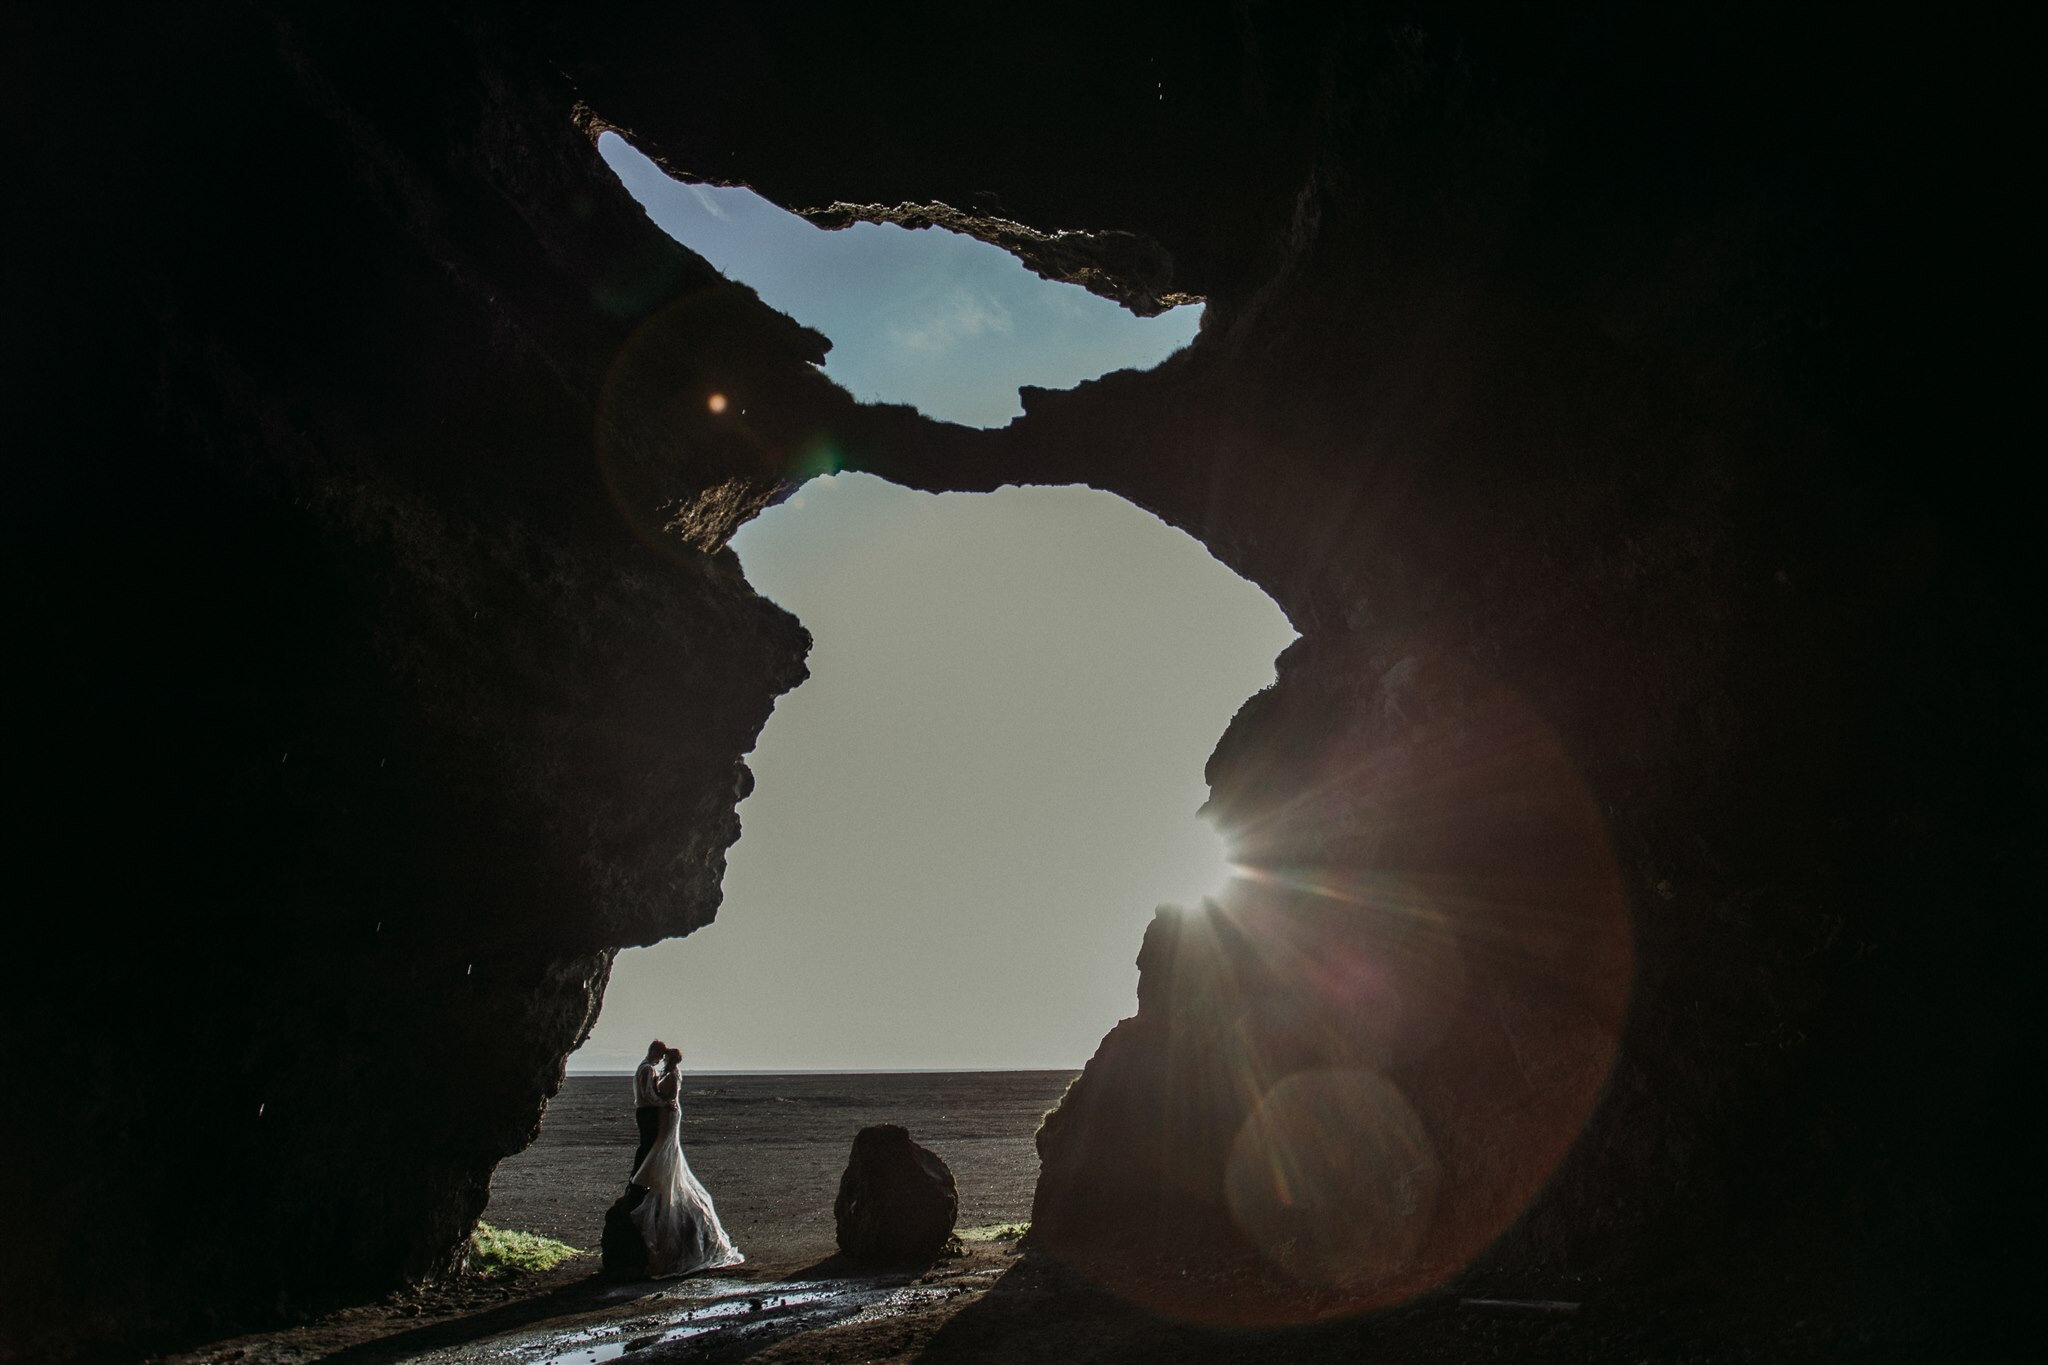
[837,1071]
[771,1146]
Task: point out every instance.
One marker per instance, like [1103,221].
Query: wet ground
[574,1316]
[709,1318]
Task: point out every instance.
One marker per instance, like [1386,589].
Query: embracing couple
[674,1216]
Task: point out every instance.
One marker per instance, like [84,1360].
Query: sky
[943,322]
[963,821]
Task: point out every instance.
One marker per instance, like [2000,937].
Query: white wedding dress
[676,1219]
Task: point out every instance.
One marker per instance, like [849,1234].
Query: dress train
[676,1219]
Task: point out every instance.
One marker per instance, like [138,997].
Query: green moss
[994,1232]
[495,1251]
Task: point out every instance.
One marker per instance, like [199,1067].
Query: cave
[1615,402]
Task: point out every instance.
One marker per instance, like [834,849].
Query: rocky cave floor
[989,1302]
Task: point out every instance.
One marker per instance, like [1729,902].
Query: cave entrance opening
[963,821]
[947,324]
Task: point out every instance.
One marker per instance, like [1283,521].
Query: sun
[1205,866]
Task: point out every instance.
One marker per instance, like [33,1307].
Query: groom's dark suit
[646,1111]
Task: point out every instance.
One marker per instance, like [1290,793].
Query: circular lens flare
[1334,1179]
[1352,1074]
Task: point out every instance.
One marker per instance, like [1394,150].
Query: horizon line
[829,1070]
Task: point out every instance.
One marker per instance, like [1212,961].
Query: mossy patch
[496,1251]
[994,1232]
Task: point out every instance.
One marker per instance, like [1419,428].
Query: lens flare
[1333,1178]
[1351,1072]
[667,390]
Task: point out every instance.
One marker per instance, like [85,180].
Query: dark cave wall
[1617,390]
[356,724]
[1592,371]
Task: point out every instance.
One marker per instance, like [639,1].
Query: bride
[676,1220]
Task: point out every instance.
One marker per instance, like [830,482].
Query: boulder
[625,1250]
[897,1200]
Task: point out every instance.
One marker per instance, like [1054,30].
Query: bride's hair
[675,1056]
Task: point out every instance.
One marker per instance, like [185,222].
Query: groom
[646,1101]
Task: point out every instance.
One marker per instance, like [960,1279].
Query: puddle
[903,1301]
[731,1308]
[590,1355]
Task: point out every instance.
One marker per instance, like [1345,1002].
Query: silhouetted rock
[625,1249]
[897,1201]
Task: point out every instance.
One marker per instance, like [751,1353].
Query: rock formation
[624,1248]
[1364,1061]
[897,1200]
[1610,400]
[372,708]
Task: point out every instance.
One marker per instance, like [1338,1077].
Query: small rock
[897,1201]
[625,1251]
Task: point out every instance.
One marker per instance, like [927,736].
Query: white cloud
[1069,300]
[964,313]
[708,202]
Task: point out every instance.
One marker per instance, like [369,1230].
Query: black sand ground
[771,1149]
